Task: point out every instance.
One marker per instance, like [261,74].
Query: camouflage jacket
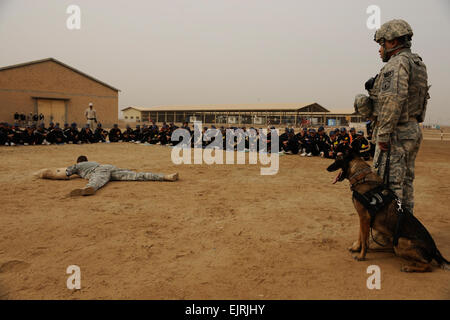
[83,169]
[401,91]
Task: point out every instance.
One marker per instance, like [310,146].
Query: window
[131,117]
[126,117]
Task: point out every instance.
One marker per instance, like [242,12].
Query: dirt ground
[220,232]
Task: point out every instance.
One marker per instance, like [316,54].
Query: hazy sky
[227,51]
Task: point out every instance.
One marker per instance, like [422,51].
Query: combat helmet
[363,105]
[393,29]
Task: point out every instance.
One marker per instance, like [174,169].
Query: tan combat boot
[87,191]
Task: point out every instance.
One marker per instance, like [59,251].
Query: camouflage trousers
[105,173]
[405,144]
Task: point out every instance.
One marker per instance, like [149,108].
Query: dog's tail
[443,263]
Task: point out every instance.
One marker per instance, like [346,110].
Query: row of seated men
[308,142]
[38,134]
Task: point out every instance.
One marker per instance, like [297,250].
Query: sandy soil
[221,232]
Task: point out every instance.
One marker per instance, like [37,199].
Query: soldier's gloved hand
[369,83]
[383,146]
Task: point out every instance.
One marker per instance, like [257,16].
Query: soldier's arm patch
[386,83]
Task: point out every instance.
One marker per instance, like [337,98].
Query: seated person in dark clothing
[16,135]
[3,134]
[29,136]
[334,144]
[284,137]
[127,134]
[145,134]
[311,148]
[353,133]
[86,135]
[152,135]
[137,134]
[65,131]
[100,134]
[301,136]
[323,142]
[40,135]
[56,135]
[291,145]
[115,134]
[163,136]
[72,135]
[344,137]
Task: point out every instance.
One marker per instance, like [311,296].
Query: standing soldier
[41,118]
[30,119]
[16,117]
[23,119]
[35,119]
[91,115]
[397,102]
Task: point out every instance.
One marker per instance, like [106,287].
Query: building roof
[62,64]
[342,111]
[301,107]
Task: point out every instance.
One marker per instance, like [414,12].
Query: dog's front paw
[359,258]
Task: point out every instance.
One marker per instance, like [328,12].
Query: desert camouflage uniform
[401,92]
[397,103]
[99,175]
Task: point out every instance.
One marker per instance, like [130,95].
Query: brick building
[62,93]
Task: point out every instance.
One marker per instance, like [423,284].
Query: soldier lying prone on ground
[99,175]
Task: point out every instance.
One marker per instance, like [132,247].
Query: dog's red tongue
[337,177]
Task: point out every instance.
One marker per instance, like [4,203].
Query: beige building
[295,114]
[60,92]
[132,114]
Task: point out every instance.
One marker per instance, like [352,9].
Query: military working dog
[380,209]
